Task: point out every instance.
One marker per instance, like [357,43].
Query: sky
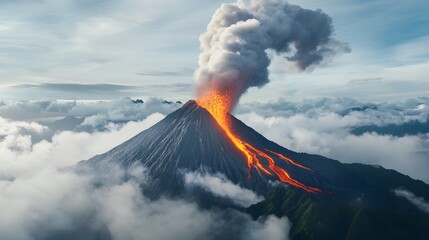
[105,49]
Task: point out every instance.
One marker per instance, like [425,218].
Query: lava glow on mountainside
[219,104]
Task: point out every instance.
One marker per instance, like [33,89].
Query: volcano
[352,201]
[190,139]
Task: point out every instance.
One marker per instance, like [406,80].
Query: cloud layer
[42,199]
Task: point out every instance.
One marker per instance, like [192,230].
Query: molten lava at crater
[218,104]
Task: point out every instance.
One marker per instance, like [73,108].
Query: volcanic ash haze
[233,54]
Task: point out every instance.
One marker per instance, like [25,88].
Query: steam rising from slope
[233,49]
[220,185]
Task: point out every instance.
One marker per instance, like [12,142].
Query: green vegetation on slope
[313,219]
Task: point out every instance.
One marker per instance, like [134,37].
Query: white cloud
[220,185]
[20,156]
[61,203]
[8,127]
[419,202]
[273,228]
[128,215]
[412,51]
[52,201]
[113,110]
[418,71]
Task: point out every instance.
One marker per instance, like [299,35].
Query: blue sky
[103,49]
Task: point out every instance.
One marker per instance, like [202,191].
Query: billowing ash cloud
[233,49]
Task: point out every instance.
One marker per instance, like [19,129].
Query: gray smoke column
[233,54]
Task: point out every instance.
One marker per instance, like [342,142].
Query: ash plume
[233,54]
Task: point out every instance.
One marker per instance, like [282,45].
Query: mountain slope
[313,219]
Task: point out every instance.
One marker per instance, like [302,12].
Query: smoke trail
[233,49]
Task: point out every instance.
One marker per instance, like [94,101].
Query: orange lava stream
[288,160]
[218,105]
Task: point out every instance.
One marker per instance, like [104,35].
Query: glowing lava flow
[218,105]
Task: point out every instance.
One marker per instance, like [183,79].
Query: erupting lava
[218,104]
